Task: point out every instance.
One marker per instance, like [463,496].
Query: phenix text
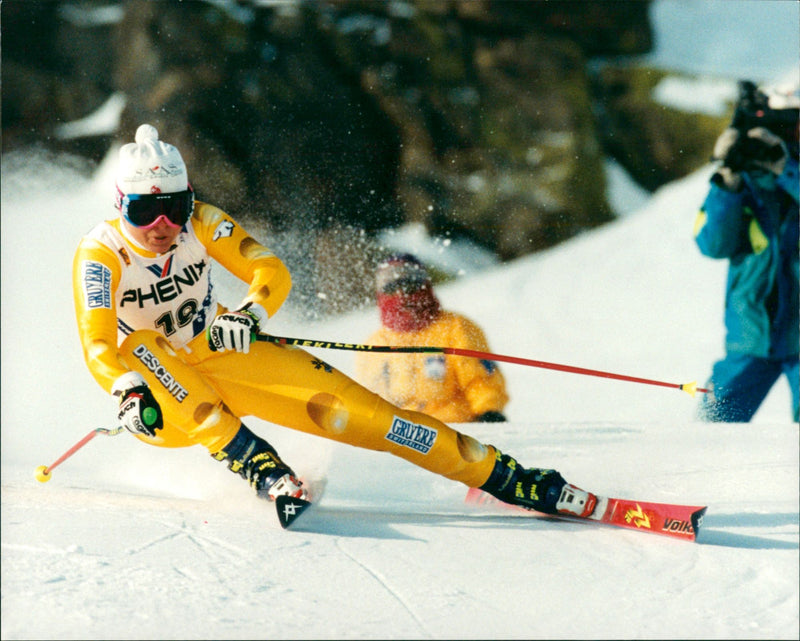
[165,289]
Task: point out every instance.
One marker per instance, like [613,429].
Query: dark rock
[477,118]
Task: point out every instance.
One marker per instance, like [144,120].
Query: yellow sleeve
[482,381]
[95,275]
[236,250]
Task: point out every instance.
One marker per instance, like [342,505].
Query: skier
[454,389]
[184,368]
[750,217]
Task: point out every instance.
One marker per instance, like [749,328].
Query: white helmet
[150,166]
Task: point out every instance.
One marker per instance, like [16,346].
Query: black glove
[767,151]
[492,416]
[139,411]
[759,149]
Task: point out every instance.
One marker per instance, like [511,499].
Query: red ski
[676,521]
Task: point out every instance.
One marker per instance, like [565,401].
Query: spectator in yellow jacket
[454,389]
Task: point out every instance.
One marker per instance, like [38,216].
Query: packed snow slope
[129,541]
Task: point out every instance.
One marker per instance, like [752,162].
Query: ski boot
[535,489]
[256,461]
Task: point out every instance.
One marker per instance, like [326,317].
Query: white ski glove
[139,412]
[237,329]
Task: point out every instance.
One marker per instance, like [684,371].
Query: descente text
[152,363]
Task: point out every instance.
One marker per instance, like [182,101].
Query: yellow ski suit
[141,311]
[454,389]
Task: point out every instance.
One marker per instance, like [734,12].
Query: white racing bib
[171,294]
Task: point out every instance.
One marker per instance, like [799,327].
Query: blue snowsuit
[756,229]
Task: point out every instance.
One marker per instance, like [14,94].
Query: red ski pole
[689,388]
[43,471]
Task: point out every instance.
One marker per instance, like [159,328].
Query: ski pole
[689,388]
[43,471]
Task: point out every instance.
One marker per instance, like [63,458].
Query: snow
[700,95]
[132,542]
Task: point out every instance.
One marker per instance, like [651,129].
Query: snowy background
[132,542]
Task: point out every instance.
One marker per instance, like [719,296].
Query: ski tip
[289,509]
[697,520]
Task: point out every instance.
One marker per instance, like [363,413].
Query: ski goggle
[394,276]
[406,285]
[145,210]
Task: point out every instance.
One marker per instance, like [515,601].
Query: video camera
[753,110]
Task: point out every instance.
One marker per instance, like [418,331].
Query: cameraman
[750,217]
